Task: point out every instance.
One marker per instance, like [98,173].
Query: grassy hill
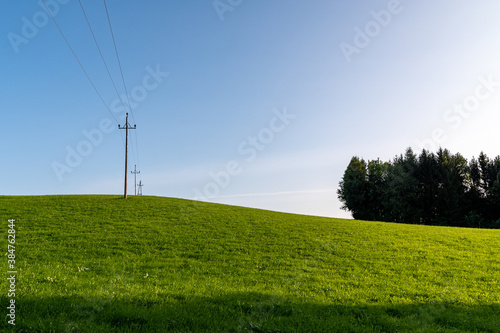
[149,264]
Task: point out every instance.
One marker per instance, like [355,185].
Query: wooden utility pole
[126,127]
[135,172]
[140,187]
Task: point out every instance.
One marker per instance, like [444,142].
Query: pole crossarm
[125,127]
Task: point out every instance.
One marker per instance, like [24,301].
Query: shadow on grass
[242,312]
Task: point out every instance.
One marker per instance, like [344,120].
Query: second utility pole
[126,127]
[135,172]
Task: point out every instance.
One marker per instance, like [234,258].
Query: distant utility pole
[126,127]
[135,172]
[140,187]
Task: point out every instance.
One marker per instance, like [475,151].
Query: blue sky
[253,103]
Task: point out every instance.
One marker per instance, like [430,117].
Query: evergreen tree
[427,178]
[452,173]
[439,188]
[352,191]
[401,193]
[375,189]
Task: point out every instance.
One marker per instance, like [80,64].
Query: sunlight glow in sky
[253,103]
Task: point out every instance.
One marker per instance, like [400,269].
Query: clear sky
[253,103]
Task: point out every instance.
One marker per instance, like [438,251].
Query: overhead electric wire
[123,79]
[118,58]
[78,60]
[100,53]
[107,69]
[110,76]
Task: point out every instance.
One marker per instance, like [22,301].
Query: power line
[118,58]
[127,126]
[109,74]
[123,81]
[123,78]
[100,53]
[78,60]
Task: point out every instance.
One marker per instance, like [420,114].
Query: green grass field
[149,264]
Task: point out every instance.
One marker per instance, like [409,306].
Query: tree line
[431,188]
